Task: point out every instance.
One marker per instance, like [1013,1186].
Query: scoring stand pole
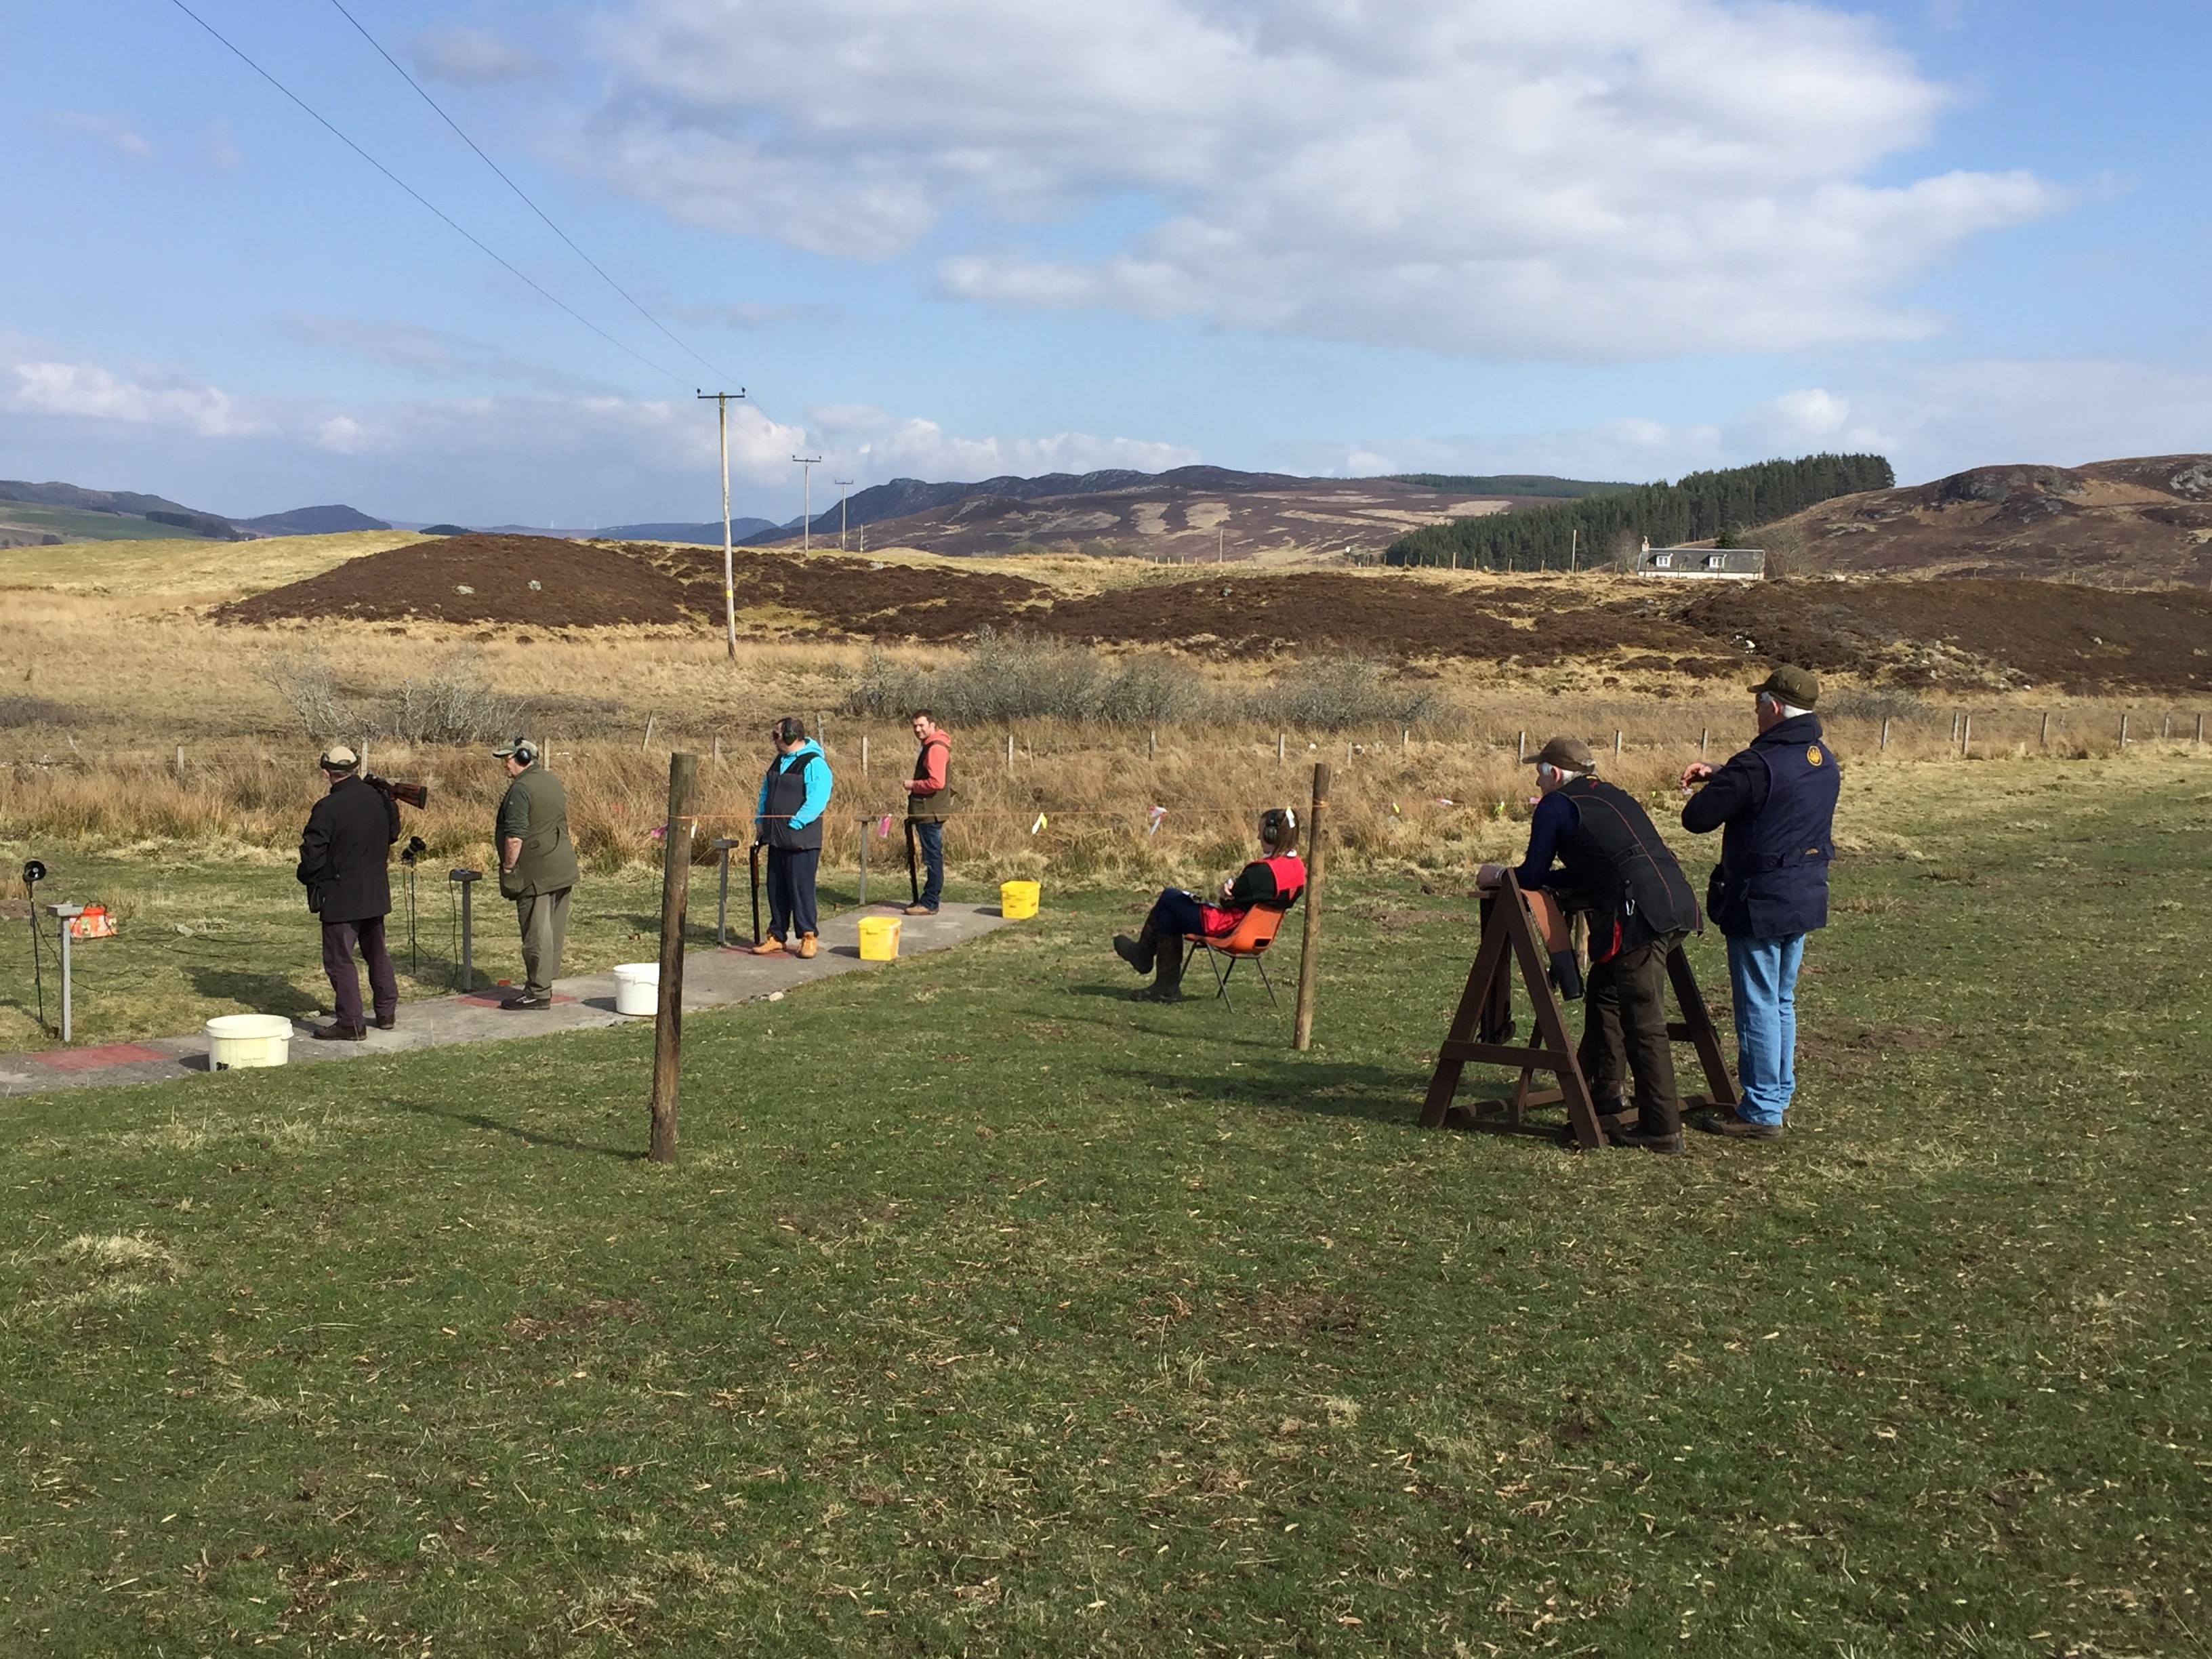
[467,879]
[722,896]
[65,915]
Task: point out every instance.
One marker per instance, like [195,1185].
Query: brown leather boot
[808,944]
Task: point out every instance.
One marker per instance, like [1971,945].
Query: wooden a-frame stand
[1482,1030]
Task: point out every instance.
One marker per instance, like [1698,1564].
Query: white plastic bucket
[235,1041]
[637,989]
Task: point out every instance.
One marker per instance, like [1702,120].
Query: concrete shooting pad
[712,979]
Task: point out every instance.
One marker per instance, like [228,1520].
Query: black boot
[1138,952]
[1167,979]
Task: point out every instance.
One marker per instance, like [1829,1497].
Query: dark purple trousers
[338,940]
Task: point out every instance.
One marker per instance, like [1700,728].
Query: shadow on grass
[264,993]
[1326,1089]
[515,1131]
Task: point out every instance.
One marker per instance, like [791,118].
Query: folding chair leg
[1260,964]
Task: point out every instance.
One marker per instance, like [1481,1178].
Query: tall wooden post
[1309,947]
[668,1020]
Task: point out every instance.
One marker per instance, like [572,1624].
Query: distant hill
[1510,483]
[1186,515]
[2140,522]
[89,500]
[311,521]
[741,530]
[38,513]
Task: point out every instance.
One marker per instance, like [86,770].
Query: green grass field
[75,524]
[202,932]
[988,1313]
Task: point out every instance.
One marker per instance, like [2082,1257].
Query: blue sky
[1623,239]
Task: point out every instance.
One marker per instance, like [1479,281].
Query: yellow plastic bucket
[879,938]
[1018,900]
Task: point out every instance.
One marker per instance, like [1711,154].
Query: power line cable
[400,70]
[450,221]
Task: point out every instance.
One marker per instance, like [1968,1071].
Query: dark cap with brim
[1798,687]
[1568,754]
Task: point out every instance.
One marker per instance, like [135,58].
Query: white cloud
[1618,178]
[474,57]
[876,445]
[88,392]
[432,353]
[113,130]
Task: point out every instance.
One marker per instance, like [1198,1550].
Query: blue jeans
[929,833]
[1763,974]
[791,892]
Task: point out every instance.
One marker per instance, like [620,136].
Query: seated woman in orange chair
[1275,878]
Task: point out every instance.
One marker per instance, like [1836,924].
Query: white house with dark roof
[1735,564]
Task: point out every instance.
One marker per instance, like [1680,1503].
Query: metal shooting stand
[722,894]
[1482,1030]
[467,879]
[63,915]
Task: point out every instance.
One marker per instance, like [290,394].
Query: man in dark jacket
[1613,866]
[344,858]
[1775,804]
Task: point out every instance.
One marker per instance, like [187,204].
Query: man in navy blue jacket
[1775,804]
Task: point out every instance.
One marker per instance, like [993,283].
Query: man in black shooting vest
[537,867]
[1775,804]
[344,864]
[1614,866]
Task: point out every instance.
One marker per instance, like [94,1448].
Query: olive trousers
[544,918]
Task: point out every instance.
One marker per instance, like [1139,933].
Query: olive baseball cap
[519,749]
[337,758]
[1798,687]
[1568,754]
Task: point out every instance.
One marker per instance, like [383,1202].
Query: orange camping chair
[1247,942]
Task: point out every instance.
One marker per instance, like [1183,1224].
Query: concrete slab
[712,979]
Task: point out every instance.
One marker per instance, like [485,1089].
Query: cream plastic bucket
[237,1040]
[879,936]
[1018,900]
[637,989]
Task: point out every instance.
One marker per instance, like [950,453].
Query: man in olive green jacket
[537,867]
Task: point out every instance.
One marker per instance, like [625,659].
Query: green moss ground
[988,1313]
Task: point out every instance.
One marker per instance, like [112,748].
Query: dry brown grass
[175,568]
[140,676]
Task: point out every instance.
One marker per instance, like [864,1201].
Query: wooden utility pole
[668,1020]
[806,465]
[1309,947]
[729,570]
[843,484]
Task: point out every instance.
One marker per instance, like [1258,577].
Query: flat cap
[337,758]
[1568,754]
[520,749]
[1798,687]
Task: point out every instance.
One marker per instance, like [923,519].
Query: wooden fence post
[1280,739]
[1309,947]
[2123,728]
[1965,734]
[1616,742]
[2044,741]
[1885,733]
[668,1018]
[1521,747]
[863,754]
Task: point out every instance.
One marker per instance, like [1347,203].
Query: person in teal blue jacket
[793,796]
